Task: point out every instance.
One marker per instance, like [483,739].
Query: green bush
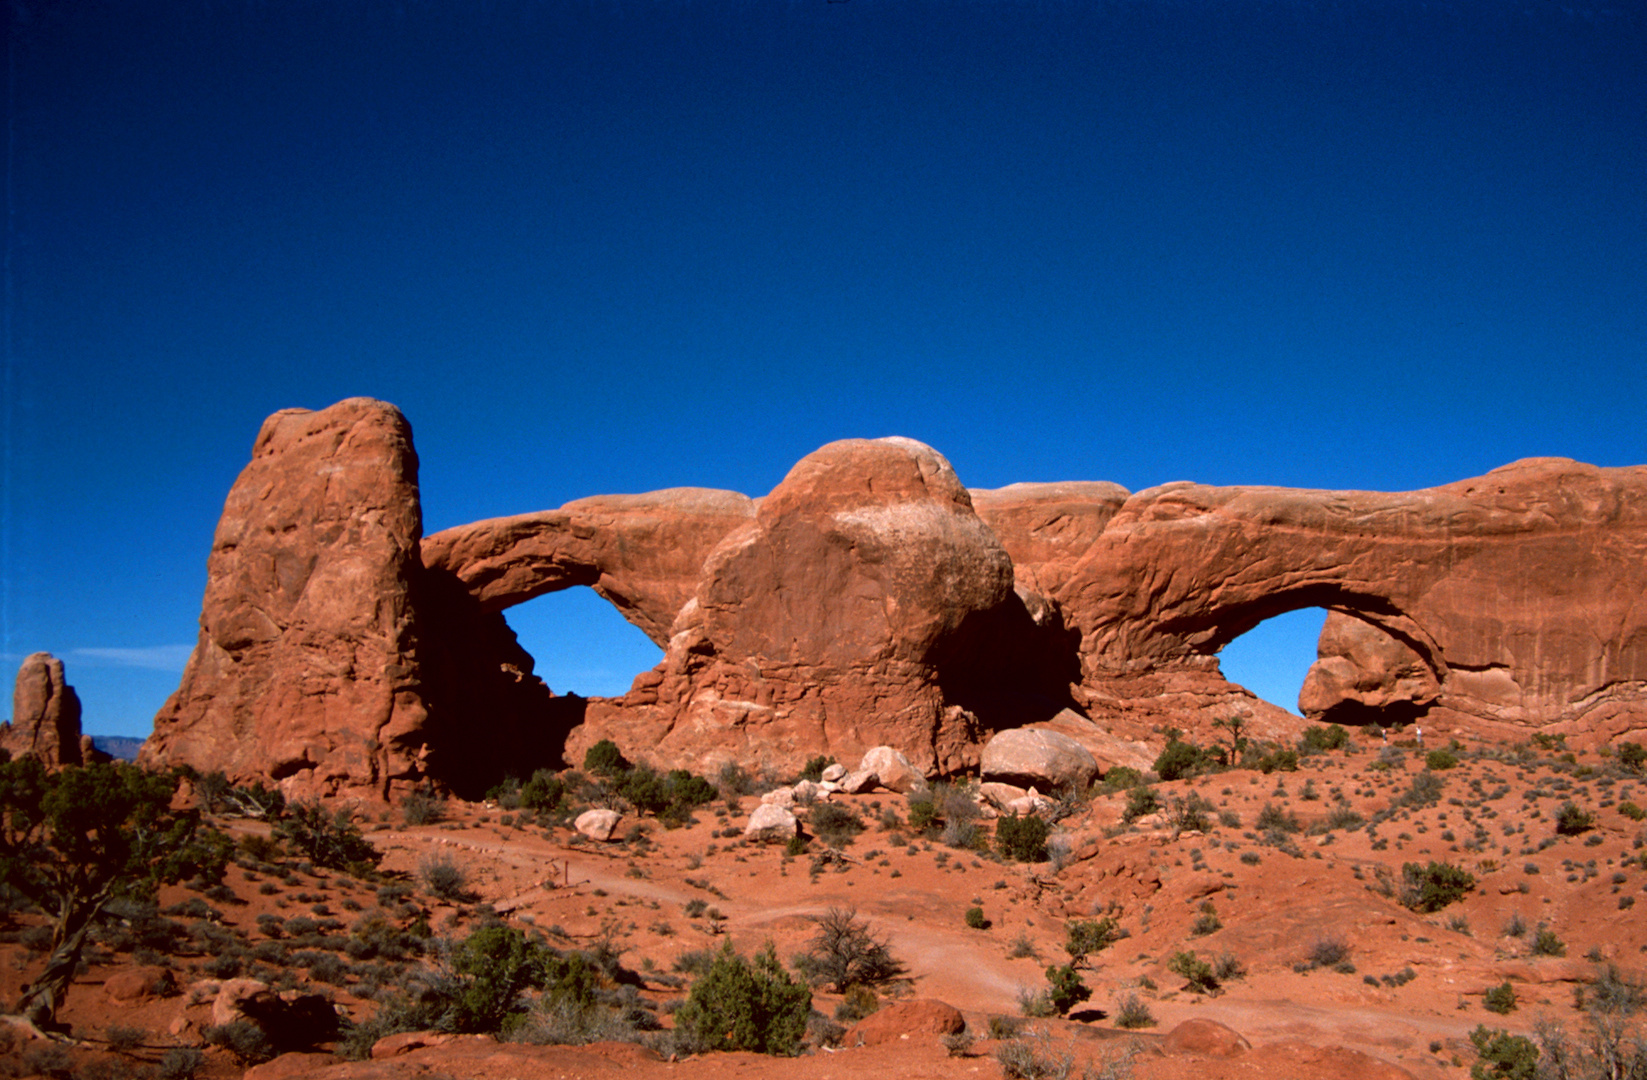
[544,791]
[605,759]
[1121,778]
[975,918]
[814,767]
[1141,800]
[746,1005]
[1083,937]
[1196,972]
[330,840]
[1570,820]
[1022,839]
[1500,999]
[1274,819]
[1066,989]
[1318,739]
[1181,759]
[1631,810]
[1502,1056]
[497,965]
[834,824]
[1545,943]
[1632,755]
[1431,888]
[1440,759]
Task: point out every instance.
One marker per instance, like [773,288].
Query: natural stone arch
[642,553]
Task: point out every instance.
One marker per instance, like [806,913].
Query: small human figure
[1384,731]
[1418,732]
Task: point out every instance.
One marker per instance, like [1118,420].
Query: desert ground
[1288,884]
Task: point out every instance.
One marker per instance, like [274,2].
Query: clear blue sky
[596,247]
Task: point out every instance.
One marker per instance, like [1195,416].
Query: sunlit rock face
[870,599]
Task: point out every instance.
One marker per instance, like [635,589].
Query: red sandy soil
[1411,991]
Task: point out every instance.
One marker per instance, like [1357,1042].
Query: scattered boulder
[904,1019]
[405,1042]
[45,714]
[782,796]
[598,824]
[232,995]
[1107,749]
[892,770]
[136,985]
[770,822]
[1205,1038]
[1030,757]
[807,793]
[858,782]
[999,795]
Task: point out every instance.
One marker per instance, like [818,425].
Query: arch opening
[1273,657]
[580,644]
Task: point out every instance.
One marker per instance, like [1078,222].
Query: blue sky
[607,247]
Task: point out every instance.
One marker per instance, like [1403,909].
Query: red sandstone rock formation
[305,663]
[870,599]
[825,623]
[642,553]
[1520,591]
[45,714]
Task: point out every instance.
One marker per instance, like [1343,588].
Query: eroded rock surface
[872,600]
[45,714]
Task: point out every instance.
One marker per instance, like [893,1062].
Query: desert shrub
[1545,943]
[1065,988]
[442,877]
[1121,778]
[814,767]
[1181,759]
[1439,760]
[1425,790]
[1189,814]
[1022,839]
[1502,1056]
[1131,1012]
[1268,758]
[1004,1027]
[1274,819]
[975,918]
[1570,820]
[1429,888]
[732,781]
[1083,937]
[543,791]
[422,808]
[1632,755]
[1500,999]
[243,1039]
[1320,739]
[1196,972]
[605,759]
[1342,816]
[1227,966]
[123,1039]
[496,964]
[330,840]
[1328,952]
[1631,810]
[1032,1059]
[859,1002]
[1141,800]
[180,1063]
[844,952]
[1206,921]
[923,812]
[741,1004]
[834,824]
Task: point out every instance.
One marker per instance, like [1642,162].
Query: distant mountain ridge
[120,747]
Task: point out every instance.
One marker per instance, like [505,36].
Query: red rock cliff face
[306,666]
[1520,591]
[871,599]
